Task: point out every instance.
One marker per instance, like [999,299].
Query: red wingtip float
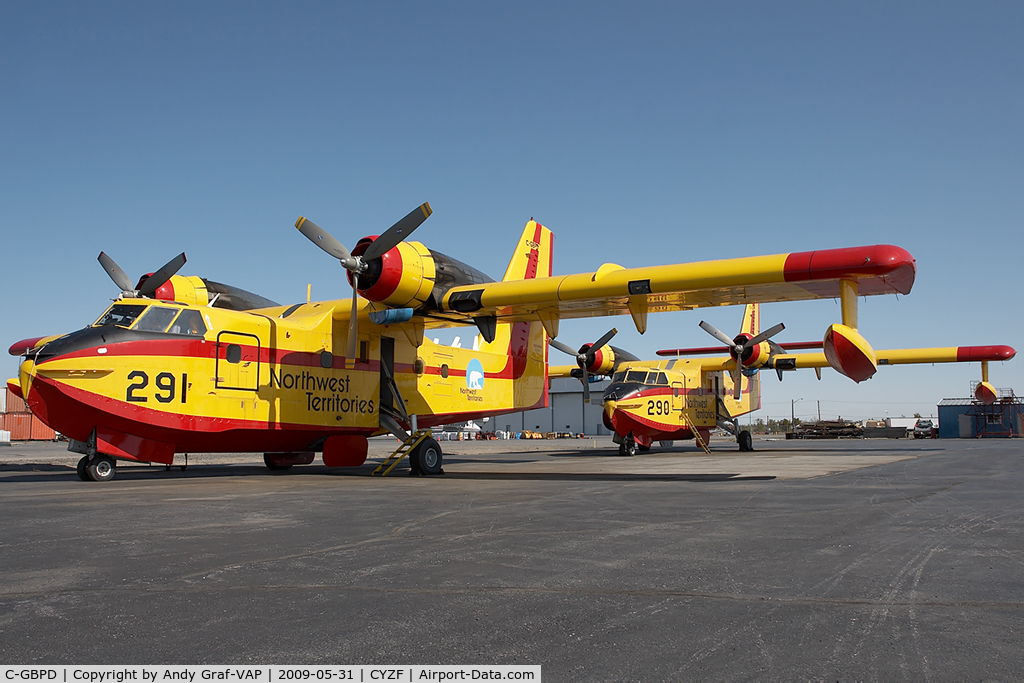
[986,393]
[849,353]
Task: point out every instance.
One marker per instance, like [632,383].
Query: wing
[946,354]
[614,290]
[562,370]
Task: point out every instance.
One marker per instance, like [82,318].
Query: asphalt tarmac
[834,560]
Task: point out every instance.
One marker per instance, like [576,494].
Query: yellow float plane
[687,397]
[181,364]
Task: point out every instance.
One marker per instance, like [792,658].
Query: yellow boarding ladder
[403,449]
[696,434]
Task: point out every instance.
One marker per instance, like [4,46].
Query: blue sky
[640,133]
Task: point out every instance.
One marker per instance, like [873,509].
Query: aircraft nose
[26,372]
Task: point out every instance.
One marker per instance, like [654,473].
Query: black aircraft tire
[101,468]
[746,441]
[627,448]
[273,467]
[427,458]
[81,468]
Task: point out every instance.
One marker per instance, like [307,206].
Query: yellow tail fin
[751,320]
[532,257]
[526,343]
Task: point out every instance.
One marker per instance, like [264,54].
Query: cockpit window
[189,322]
[638,376]
[122,315]
[156,319]
[618,377]
[657,378]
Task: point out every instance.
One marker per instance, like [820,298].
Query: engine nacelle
[754,357]
[604,360]
[181,288]
[408,274]
[849,353]
[402,277]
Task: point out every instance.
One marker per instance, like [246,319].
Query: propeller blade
[353,318]
[157,279]
[604,340]
[323,239]
[717,334]
[397,232]
[770,332]
[116,274]
[737,381]
[586,386]
[563,348]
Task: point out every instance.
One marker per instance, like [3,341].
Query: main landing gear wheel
[101,468]
[628,446]
[745,441]
[82,468]
[427,458]
[271,465]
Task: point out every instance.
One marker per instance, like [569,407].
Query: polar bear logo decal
[475,375]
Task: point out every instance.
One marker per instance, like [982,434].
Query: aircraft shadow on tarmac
[602,476]
[845,450]
[55,473]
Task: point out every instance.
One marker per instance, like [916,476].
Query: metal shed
[967,418]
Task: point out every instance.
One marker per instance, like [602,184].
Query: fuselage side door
[238,361]
[678,398]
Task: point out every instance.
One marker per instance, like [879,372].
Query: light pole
[792,412]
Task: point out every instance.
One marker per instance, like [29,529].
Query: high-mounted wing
[614,290]
[947,354]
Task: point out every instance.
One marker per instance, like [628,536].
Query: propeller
[357,265]
[151,283]
[739,345]
[585,356]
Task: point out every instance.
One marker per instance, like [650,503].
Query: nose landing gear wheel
[628,447]
[101,468]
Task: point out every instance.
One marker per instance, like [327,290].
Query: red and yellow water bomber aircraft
[701,388]
[181,364]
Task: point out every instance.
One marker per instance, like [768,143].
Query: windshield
[121,315]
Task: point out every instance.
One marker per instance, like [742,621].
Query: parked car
[923,429]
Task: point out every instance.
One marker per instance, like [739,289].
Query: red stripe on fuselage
[201,348]
[74,412]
